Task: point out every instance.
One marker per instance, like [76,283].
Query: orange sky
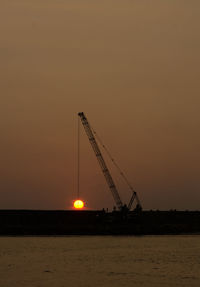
[132,67]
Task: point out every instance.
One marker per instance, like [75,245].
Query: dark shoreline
[70,222]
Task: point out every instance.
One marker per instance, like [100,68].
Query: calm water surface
[100,261]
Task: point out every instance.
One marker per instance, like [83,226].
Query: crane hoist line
[105,170]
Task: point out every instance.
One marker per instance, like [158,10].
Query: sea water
[100,261]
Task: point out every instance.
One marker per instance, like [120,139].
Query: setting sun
[78,204]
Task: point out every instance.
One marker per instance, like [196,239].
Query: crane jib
[101,161]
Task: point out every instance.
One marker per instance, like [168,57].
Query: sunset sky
[133,67]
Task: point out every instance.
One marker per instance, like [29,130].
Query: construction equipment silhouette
[90,133]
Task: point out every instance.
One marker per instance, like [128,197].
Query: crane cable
[113,161]
[78,160]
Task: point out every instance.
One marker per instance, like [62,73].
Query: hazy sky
[133,67]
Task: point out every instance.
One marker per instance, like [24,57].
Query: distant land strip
[94,222]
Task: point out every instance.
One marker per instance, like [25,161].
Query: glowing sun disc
[78,204]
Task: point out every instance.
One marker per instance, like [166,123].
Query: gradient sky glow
[133,67]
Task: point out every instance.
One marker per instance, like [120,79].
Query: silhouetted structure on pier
[58,222]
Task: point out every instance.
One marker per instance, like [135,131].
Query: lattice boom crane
[104,167]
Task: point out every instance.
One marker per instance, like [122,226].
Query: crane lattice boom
[101,161]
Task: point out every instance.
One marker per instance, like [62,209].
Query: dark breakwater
[69,222]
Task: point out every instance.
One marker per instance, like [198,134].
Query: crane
[105,170]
